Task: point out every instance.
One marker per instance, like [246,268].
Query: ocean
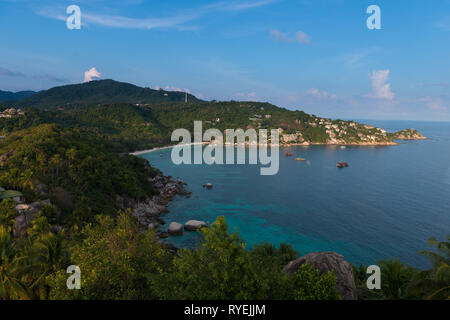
[386,204]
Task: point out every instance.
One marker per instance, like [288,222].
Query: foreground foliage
[399,281]
[119,261]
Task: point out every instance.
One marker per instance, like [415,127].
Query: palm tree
[395,277]
[8,213]
[13,178]
[27,180]
[434,284]
[56,161]
[50,248]
[71,155]
[10,284]
[46,256]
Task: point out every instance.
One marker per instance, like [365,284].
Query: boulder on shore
[194,225]
[325,262]
[175,229]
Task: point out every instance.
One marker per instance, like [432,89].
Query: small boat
[288,154]
[300,159]
[342,164]
[208,186]
[343,147]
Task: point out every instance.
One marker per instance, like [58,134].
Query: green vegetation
[14,96]
[133,118]
[117,261]
[70,147]
[97,92]
[434,283]
[408,134]
[83,175]
[399,281]
[309,285]
[129,127]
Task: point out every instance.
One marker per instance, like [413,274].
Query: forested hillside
[136,118]
[14,96]
[97,92]
[82,173]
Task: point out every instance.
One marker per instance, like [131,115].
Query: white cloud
[380,89]
[176,21]
[300,36]
[280,36]
[246,96]
[435,104]
[132,23]
[90,74]
[320,94]
[244,5]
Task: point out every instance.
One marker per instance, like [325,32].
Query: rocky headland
[148,211]
[408,134]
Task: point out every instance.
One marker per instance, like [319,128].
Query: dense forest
[97,92]
[82,173]
[68,157]
[141,118]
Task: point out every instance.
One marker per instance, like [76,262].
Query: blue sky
[313,55]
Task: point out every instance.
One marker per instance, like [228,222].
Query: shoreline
[383,144]
[140,152]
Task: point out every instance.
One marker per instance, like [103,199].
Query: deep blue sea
[386,204]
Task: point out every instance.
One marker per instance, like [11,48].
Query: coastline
[140,152]
[155,214]
[283,145]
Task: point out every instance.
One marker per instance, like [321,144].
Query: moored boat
[342,164]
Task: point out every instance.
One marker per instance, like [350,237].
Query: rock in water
[194,225]
[163,235]
[175,229]
[324,262]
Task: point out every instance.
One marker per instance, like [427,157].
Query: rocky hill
[408,134]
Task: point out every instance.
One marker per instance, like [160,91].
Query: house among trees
[11,194]
[11,113]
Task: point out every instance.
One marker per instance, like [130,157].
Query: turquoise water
[386,204]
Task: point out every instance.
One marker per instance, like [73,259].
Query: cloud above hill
[91,74]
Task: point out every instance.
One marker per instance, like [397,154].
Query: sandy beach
[137,153]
